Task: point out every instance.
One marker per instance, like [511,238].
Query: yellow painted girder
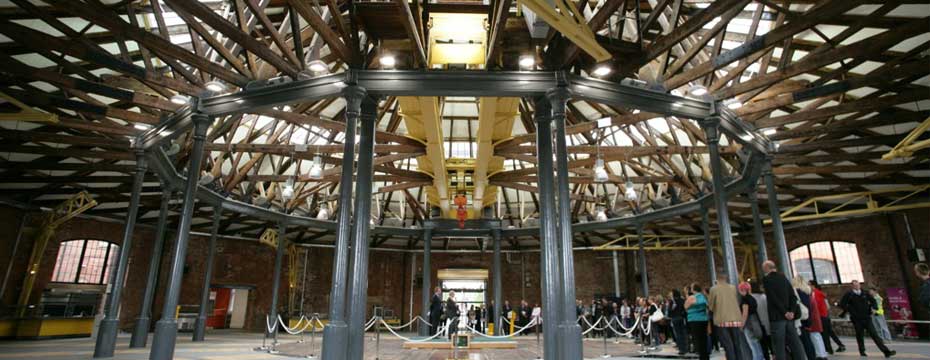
[26,112]
[852,204]
[495,122]
[907,146]
[421,117]
[572,24]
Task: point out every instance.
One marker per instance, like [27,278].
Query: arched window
[827,262]
[85,262]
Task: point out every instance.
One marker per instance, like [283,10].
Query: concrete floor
[235,345]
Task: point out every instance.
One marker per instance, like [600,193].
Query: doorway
[470,286]
[237,307]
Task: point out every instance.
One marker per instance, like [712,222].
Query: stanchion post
[378,338]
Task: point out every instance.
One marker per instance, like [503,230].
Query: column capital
[767,166]
[711,126]
[201,123]
[542,111]
[558,95]
[354,96]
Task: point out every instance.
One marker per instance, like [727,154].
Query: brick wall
[390,276]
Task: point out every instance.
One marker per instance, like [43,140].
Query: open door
[220,297]
[237,307]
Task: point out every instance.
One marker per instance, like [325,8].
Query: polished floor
[234,345]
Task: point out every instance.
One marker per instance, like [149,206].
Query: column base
[571,340]
[166,332]
[140,333]
[106,338]
[423,329]
[335,340]
[200,328]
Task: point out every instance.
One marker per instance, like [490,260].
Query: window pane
[92,265]
[848,261]
[824,265]
[111,263]
[801,263]
[69,254]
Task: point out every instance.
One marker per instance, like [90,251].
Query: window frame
[101,280]
[836,265]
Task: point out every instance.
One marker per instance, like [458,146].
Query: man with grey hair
[783,309]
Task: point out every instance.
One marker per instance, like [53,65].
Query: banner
[900,309]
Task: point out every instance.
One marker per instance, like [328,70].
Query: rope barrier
[532,323]
[407,324]
[438,333]
[299,321]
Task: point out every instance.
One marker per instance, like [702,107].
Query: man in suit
[435,311]
[506,310]
[859,305]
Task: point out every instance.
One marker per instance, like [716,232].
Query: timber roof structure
[835,83]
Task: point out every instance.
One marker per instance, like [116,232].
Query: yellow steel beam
[495,122]
[26,112]
[566,18]
[421,117]
[65,211]
[857,203]
[907,146]
[269,237]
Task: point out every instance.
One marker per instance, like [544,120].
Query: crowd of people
[775,318]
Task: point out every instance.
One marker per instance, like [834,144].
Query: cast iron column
[643,274]
[761,252]
[570,332]
[276,283]
[200,326]
[616,263]
[712,130]
[496,280]
[336,333]
[427,275]
[140,332]
[778,233]
[358,292]
[708,245]
[166,329]
[109,326]
[548,239]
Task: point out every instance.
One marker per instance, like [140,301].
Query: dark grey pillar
[778,233]
[644,274]
[140,332]
[109,326]
[548,238]
[166,329]
[200,327]
[761,252]
[708,245]
[570,332]
[358,291]
[496,278]
[335,334]
[712,130]
[276,282]
[427,275]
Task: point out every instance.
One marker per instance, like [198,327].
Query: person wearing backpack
[859,304]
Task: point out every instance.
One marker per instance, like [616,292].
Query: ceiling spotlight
[318,66]
[602,70]
[733,104]
[527,62]
[387,61]
[180,99]
[600,173]
[698,90]
[288,191]
[142,127]
[630,192]
[601,214]
[215,86]
[323,214]
[316,169]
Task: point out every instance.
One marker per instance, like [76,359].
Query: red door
[220,297]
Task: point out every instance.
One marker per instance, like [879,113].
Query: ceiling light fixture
[316,169]
[180,99]
[215,86]
[733,104]
[769,132]
[387,61]
[630,192]
[601,214]
[698,90]
[206,179]
[318,66]
[527,62]
[602,70]
[600,173]
[288,192]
